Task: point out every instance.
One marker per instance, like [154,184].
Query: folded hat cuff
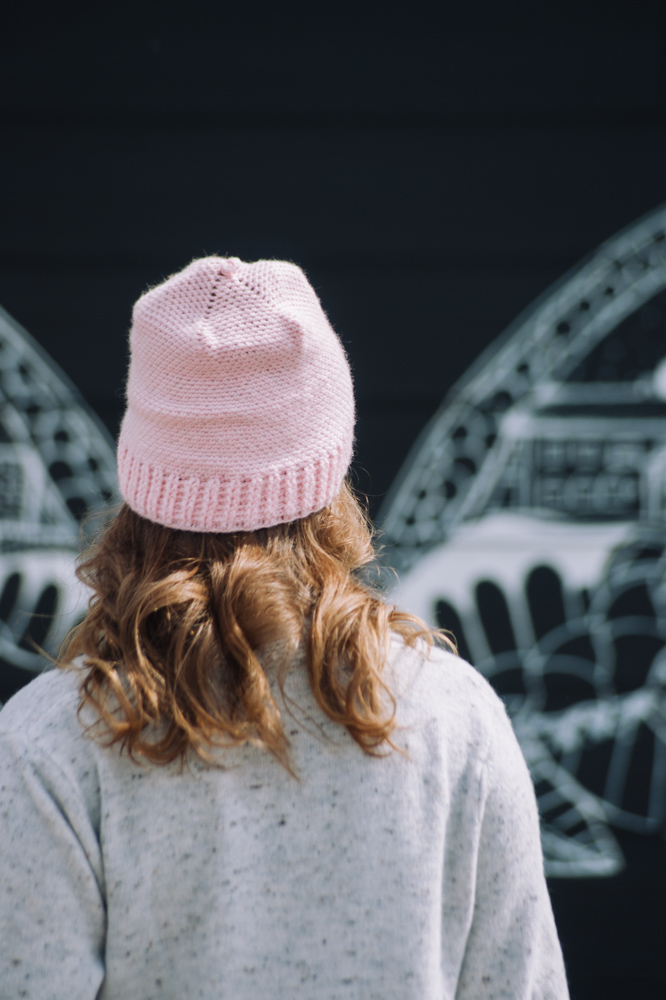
[230,503]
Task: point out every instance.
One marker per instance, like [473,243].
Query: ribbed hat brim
[220,504]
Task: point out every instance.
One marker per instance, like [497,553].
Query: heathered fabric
[240,407]
[412,877]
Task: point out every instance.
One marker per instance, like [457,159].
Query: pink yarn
[240,406]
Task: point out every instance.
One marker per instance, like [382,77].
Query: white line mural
[57,462]
[530,520]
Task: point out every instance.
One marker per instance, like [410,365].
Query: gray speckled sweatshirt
[411,877]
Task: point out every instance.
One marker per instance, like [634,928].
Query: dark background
[433,168]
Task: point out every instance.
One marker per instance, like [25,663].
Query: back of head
[238,529]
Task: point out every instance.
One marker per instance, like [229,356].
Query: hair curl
[173,638]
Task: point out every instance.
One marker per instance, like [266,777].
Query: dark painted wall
[433,169]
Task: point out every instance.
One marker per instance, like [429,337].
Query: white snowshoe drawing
[530,519]
[57,463]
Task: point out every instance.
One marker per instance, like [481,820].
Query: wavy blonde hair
[177,622]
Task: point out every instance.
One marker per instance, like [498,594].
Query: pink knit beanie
[240,407]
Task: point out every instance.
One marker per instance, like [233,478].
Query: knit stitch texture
[240,407]
[412,876]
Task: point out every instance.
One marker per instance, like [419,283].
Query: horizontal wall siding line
[95,260]
[566,120]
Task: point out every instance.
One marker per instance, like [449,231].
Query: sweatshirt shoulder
[433,682]
[45,711]
[440,673]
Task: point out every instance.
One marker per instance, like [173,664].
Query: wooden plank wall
[433,167]
[433,171]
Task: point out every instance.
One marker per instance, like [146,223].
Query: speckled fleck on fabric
[417,876]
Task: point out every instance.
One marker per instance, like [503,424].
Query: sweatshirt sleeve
[52,913]
[512,950]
